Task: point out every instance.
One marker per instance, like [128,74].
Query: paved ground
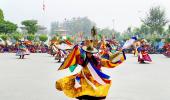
[34,79]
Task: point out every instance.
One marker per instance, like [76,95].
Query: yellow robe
[89,86]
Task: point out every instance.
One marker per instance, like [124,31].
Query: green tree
[117,36]
[156,19]
[31,26]
[4,37]
[144,29]
[43,38]
[167,40]
[1,15]
[136,31]
[17,36]
[168,30]
[7,27]
[125,36]
[31,37]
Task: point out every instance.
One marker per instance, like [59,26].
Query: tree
[126,36]
[156,19]
[7,27]
[31,26]
[1,15]
[144,29]
[17,36]
[43,38]
[76,25]
[31,37]
[168,30]
[167,40]
[117,36]
[4,37]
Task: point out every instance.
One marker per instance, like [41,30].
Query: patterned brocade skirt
[67,85]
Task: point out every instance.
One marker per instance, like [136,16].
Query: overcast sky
[123,13]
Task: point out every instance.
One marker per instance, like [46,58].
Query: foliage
[157,39]
[167,40]
[54,38]
[7,27]
[168,30]
[30,37]
[4,37]
[144,29]
[1,15]
[17,36]
[43,37]
[70,39]
[126,36]
[31,26]
[156,19]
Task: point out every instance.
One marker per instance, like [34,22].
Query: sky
[117,14]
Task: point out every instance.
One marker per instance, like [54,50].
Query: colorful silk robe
[91,80]
[143,54]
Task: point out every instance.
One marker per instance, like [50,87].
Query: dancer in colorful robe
[104,52]
[166,50]
[62,50]
[22,50]
[142,52]
[91,83]
[136,45]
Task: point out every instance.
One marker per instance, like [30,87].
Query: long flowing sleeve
[71,59]
[116,60]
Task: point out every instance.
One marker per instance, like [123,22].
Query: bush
[157,39]
[167,40]
[4,37]
[17,36]
[43,38]
[31,37]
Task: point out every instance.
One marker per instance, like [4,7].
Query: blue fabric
[106,56]
[101,74]
[64,52]
[83,53]
[160,45]
[124,54]
[22,46]
[78,79]
[139,49]
[135,38]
